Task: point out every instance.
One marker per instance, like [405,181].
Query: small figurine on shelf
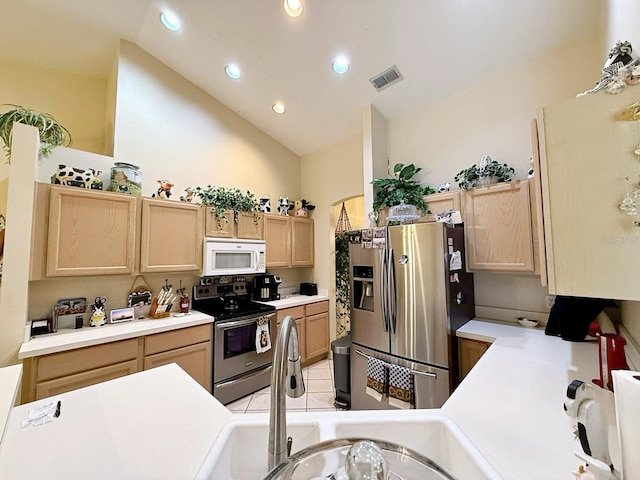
[188,198]
[265,204]
[284,206]
[184,299]
[164,190]
[98,317]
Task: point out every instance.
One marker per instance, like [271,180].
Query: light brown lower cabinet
[85,379]
[190,348]
[61,372]
[312,323]
[469,352]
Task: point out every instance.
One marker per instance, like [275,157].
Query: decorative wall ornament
[620,69]
[630,203]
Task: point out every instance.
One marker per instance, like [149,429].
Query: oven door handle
[239,323]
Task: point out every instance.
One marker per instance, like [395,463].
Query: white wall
[493,118]
[173,130]
[330,175]
[622,24]
[76,101]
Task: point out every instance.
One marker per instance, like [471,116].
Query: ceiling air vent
[386,79]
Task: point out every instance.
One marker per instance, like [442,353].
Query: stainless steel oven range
[238,369]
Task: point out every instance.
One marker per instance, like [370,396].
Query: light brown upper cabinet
[249,225]
[302,246]
[439,202]
[499,230]
[436,202]
[289,241]
[586,155]
[171,236]
[223,229]
[90,233]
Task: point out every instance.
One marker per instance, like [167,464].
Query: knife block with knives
[161,304]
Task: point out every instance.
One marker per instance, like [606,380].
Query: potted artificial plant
[221,200]
[400,188]
[52,133]
[486,172]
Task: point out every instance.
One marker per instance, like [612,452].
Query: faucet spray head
[295,382]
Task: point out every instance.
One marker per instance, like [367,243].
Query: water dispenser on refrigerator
[363,287]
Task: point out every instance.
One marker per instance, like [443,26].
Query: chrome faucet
[292,384]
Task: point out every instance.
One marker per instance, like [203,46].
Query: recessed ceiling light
[233,71]
[340,65]
[278,108]
[293,7]
[170,20]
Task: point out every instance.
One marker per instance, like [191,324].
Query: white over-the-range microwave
[233,256]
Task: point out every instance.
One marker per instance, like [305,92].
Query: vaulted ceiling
[439,46]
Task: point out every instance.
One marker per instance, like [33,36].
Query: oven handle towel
[263,339]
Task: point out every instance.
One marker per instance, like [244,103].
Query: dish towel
[377,378]
[263,339]
[401,390]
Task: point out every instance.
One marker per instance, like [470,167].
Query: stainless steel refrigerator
[410,292]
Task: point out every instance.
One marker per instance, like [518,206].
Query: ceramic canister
[126,178]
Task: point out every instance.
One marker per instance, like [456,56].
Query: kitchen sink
[240,452]
[436,437]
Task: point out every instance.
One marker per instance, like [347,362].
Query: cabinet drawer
[318,307]
[295,312]
[162,342]
[194,359]
[83,359]
[85,379]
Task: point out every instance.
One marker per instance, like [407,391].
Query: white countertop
[511,403]
[509,406]
[10,378]
[157,424]
[297,300]
[88,336]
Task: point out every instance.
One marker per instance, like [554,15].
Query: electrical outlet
[550,299]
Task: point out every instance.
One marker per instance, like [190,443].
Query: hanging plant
[221,199]
[486,172]
[400,188]
[52,133]
[343,287]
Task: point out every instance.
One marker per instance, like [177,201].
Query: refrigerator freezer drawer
[431,384]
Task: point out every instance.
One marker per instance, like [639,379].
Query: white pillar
[14,288]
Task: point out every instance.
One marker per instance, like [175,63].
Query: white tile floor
[319,393]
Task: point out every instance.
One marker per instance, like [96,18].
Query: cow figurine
[188,198]
[284,206]
[98,317]
[265,204]
[444,187]
[164,190]
[78,177]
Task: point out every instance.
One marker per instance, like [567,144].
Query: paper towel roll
[627,399]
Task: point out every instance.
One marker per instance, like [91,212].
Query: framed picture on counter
[121,315]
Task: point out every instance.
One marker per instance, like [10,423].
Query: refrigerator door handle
[412,371]
[383,290]
[391,282]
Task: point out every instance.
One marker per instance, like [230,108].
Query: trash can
[341,349]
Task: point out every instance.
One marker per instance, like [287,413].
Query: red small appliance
[611,357]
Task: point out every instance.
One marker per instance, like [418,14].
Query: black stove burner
[224,308]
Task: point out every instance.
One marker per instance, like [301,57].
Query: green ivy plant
[52,133]
[343,288]
[469,177]
[400,188]
[220,199]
